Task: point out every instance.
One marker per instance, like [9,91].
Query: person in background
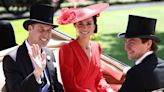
[141,45]
[79,60]
[7,37]
[29,68]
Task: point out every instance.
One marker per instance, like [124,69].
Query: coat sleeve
[15,81]
[66,62]
[134,82]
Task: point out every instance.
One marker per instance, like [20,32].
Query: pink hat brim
[79,14]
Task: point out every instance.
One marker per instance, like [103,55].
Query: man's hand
[38,60]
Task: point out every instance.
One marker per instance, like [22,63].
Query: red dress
[77,72]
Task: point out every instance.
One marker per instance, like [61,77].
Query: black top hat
[140,27]
[40,13]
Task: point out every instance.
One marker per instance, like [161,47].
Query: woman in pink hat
[80,59]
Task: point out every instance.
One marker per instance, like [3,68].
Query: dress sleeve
[66,62]
[101,84]
[99,48]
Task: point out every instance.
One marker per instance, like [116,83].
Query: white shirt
[138,61]
[39,81]
[29,48]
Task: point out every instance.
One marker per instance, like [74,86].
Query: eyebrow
[132,39]
[85,21]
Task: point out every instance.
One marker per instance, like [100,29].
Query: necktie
[46,82]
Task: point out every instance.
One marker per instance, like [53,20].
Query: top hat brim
[153,37]
[32,21]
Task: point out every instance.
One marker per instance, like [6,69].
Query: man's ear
[149,43]
[30,27]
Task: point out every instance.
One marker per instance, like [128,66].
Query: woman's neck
[84,43]
[86,46]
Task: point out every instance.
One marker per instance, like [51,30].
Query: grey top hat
[40,13]
[142,27]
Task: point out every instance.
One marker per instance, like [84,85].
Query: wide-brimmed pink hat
[73,15]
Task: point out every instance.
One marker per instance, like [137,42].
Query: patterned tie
[46,82]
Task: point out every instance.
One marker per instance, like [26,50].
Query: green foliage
[110,23]
[115,22]
[20,32]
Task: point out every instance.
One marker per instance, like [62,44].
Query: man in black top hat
[141,44]
[29,68]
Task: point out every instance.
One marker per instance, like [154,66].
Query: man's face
[39,34]
[135,48]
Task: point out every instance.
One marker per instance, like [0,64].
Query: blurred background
[110,22]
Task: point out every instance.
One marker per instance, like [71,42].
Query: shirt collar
[28,47]
[138,61]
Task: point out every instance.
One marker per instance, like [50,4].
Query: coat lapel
[25,58]
[49,65]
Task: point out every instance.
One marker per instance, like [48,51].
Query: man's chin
[130,58]
[43,45]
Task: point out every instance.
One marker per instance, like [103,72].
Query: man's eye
[41,30]
[132,43]
[49,30]
[89,24]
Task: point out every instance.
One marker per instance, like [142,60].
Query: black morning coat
[146,76]
[19,74]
